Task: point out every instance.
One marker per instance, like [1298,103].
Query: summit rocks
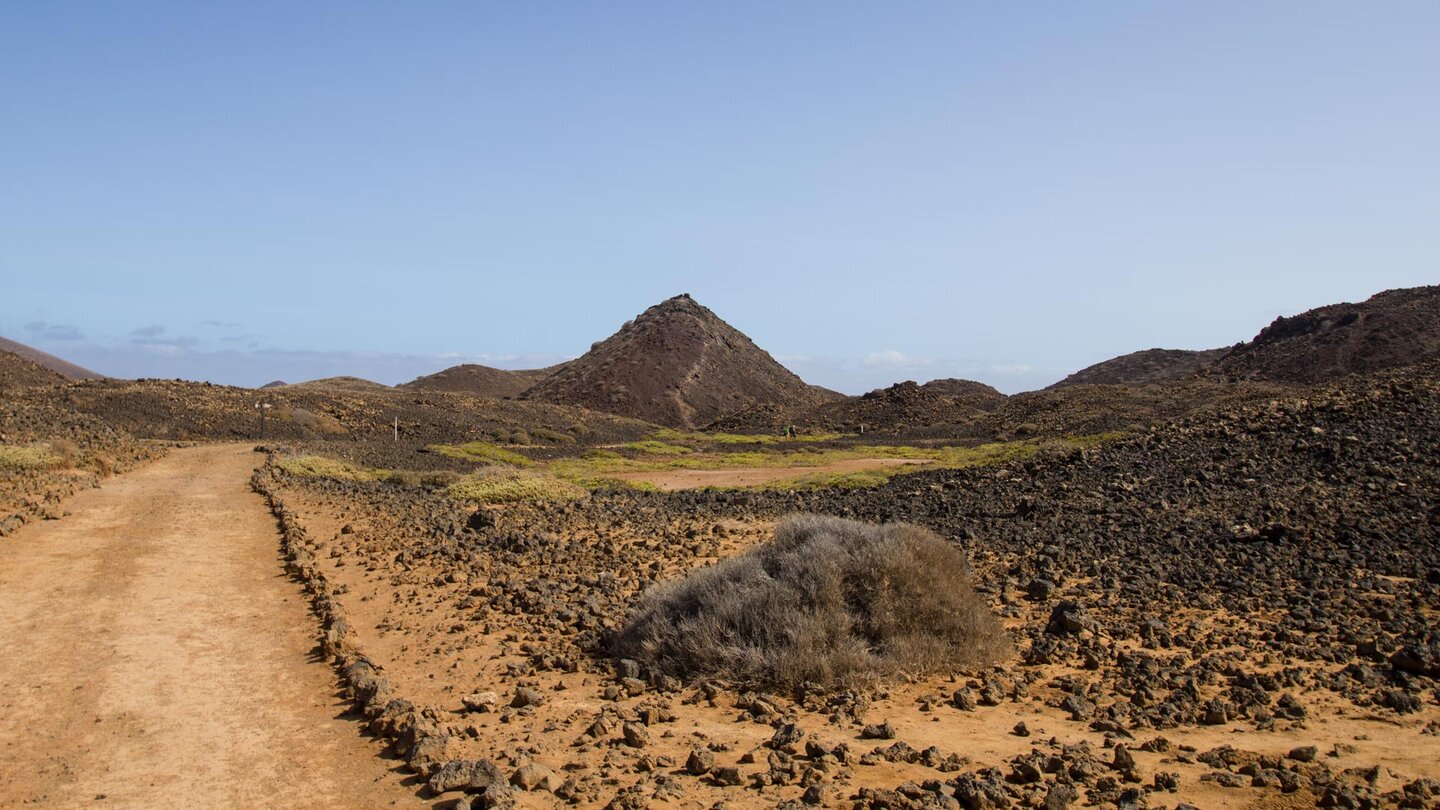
[677,364]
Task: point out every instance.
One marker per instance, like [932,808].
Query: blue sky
[872,191]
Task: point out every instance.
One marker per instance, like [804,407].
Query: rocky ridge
[1391,329]
[1144,367]
[676,364]
[481,381]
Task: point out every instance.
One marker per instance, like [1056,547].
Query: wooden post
[397,430]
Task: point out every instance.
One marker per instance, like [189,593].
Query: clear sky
[1005,191]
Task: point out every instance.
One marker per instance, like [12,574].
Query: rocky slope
[49,361]
[1143,367]
[362,420]
[17,372]
[1236,609]
[1388,330]
[905,407]
[341,383]
[677,364]
[481,381]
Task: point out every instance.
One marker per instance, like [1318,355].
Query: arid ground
[157,655]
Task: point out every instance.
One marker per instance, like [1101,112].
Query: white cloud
[894,359]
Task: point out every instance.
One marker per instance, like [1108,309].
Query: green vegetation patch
[856,479]
[696,437]
[656,447]
[29,457]
[324,467]
[502,485]
[482,453]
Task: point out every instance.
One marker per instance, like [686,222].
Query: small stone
[483,702]
[883,731]
[1305,753]
[465,774]
[728,776]
[525,696]
[533,776]
[700,762]
[635,735]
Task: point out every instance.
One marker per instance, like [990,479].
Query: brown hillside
[677,364]
[49,361]
[903,407]
[481,381]
[340,384]
[1390,329]
[17,372]
[1144,367]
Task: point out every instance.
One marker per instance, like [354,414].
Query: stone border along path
[154,654]
[414,731]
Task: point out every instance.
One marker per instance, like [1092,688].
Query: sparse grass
[509,485]
[552,436]
[857,479]
[481,453]
[602,482]
[324,467]
[696,437]
[828,601]
[435,479]
[29,457]
[656,447]
[597,468]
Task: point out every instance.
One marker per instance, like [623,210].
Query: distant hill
[481,381]
[49,361]
[340,384]
[905,406]
[1388,330]
[1144,367]
[274,384]
[677,364]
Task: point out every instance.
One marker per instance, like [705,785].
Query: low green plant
[481,452]
[855,479]
[325,467]
[435,479]
[29,457]
[509,485]
[552,436]
[655,447]
[696,437]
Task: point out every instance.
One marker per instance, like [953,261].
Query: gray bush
[828,601]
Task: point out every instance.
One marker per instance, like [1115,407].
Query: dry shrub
[403,478]
[29,457]
[509,485]
[828,601]
[323,467]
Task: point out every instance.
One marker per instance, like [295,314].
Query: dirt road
[153,654]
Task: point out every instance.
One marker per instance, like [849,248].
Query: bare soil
[153,654]
[438,644]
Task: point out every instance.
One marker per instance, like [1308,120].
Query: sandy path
[153,653]
[671,480]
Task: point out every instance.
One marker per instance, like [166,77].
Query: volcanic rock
[677,364]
